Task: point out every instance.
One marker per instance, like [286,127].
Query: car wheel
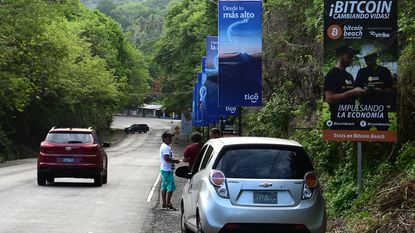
[98,180]
[182,222]
[41,179]
[105,177]
[50,179]
[199,224]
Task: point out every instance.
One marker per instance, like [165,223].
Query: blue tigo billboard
[240,53]
[203,119]
[212,69]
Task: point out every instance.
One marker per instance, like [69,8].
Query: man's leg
[170,189]
[163,198]
[163,189]
[168,200]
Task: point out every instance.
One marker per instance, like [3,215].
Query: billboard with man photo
[360,49]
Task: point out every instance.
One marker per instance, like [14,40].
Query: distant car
[137,128]
[71,152]
[248,184]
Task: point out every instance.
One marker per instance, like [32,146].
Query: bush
[406,158]
[273,120]
[5,146]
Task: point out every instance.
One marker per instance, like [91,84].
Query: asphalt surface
[75,205]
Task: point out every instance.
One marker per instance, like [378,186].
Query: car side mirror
[183,172]
[106,144]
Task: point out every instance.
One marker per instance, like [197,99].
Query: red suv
[76,153]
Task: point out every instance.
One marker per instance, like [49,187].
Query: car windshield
[63,137]
[265,163]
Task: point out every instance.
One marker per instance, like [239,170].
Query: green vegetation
[142,20]
[61,64]
[179,51]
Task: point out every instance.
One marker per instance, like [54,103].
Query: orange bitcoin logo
[334,32]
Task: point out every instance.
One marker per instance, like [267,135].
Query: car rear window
[63,137]
[264,163]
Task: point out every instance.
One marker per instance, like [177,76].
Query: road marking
[150,196]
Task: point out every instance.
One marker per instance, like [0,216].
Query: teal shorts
[167,181]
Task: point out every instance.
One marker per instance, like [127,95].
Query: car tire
[50,179]
[183,227]
[98,180]
[105,177]
[199,224]
[41,179]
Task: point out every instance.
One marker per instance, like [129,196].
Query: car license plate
[266,197]
[68,160]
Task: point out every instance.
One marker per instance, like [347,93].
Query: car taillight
[310,183]
[217,178]
[47,149]
[92,150]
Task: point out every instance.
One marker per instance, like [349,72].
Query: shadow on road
[71,185]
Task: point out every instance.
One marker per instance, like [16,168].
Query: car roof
[231,141]
[75,130]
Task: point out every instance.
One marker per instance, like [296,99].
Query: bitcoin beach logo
[334,32]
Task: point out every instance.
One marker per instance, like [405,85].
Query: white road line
[150,196]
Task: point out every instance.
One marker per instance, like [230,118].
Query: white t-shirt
[166,150]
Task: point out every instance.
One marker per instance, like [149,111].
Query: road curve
[75,205]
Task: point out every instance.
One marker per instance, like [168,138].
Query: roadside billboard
[203,119]
[212,72]
[240,53]
[360,50]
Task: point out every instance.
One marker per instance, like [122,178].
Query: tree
[179,50]
[62,64]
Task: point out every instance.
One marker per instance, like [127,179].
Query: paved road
[75,205]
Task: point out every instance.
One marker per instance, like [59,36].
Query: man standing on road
[192,151]
[340,91]
[167,168]
[214,133]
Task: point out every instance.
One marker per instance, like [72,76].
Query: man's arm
[387,91]
[170,159]
[333,98]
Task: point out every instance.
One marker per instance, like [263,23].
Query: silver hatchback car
[249,184]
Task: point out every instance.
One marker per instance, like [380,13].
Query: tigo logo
[253,98]
[230,109]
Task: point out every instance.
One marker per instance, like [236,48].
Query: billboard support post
[359,166]
[240,120]
[221,126]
